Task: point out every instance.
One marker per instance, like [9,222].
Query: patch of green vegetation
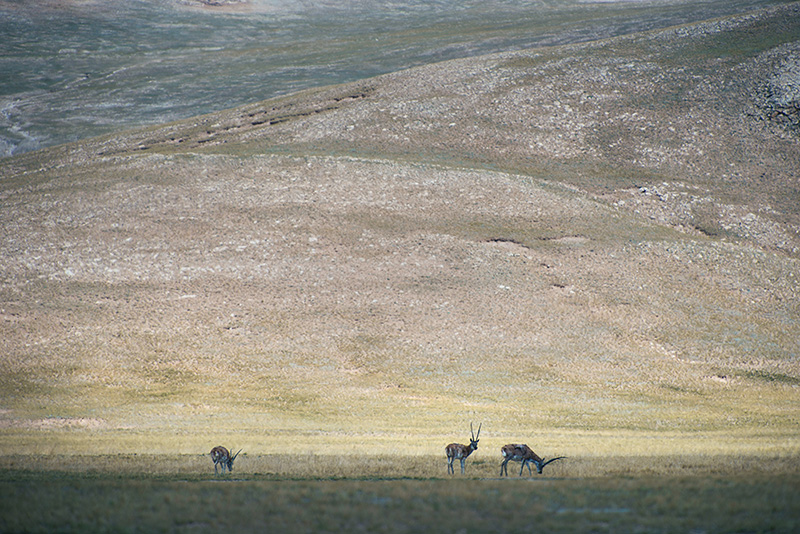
[729,46]
[364,351]
[101,503]
[22,383]
[706,219]
[770,377]
[682,390]
[528,61]
[33,388]
[751,39]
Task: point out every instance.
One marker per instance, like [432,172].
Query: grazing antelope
[522,453]
[222,456]
[458,451]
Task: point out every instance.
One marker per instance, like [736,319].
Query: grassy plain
[611,481]
[280,493]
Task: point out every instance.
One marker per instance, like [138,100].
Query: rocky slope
[611,224]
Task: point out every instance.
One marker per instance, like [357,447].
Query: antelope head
[541,463]
[232,458]
[473,441]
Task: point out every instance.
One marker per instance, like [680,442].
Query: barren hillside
[589,238]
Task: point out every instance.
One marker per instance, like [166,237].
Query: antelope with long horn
[457,451]
[522,453]
[222,457]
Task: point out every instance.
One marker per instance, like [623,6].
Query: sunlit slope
[540,241]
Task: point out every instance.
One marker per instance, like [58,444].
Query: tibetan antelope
[457,451]
[522,453]
[222,457]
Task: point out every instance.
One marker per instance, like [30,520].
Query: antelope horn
[553,460]
[479,431]
[240,450]
[472,432]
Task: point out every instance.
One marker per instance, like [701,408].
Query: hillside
[589,243]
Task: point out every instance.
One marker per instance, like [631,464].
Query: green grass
[766,376]
[284,493]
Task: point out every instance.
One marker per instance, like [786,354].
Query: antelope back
[518,452]
[457,450]
[220,454]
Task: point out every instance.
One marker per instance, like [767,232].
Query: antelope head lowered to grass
[457,451]
[222,457]
[522,453]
